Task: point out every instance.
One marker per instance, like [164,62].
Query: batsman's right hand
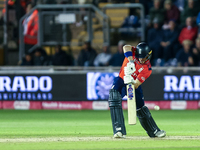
[128,79]
[129,69]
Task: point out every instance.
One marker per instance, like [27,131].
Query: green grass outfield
[88,129]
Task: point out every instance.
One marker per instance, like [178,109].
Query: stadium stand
[81,30]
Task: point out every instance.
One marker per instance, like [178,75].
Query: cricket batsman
[135,69]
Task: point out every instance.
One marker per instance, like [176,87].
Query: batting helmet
[143,51]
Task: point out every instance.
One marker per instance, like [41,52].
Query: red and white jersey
[31,28]
[143,71]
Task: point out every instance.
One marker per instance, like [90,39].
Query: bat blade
[131,104]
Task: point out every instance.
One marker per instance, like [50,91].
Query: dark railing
[142,16]
[56,9]
[82,70]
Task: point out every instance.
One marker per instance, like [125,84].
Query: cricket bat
[131,104]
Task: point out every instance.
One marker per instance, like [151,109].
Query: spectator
[154,37]
[30,24]
[61,58]
[87,55]
[16,9]
[118,58]
[103,58]
[190,11]
[27,61]
[172,12]
[196,52]
[157,12]
[184,56]
[189,32]
[39,57]
[169,41]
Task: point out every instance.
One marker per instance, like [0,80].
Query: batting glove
[129,69]
[129,79]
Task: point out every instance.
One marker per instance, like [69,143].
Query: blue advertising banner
[99,84]
[172,87]
[71,87]
[94,86]
[157,87]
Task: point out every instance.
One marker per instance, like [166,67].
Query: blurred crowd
[87,57]
[172,32]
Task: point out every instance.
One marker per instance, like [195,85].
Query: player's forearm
[137,83]
[128,52]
